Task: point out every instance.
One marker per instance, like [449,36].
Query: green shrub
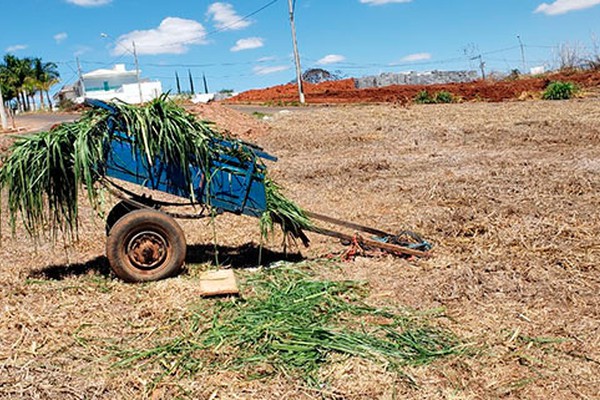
[559,91]
[444,97]
[423,97]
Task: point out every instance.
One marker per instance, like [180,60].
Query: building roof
[117,70]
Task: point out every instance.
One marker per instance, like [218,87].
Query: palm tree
[24,77]
[29,89]
[46,75]
[16,71]
[8,78]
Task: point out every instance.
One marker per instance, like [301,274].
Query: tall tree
[46,75]
[17,70]
[22,78]
[191,82]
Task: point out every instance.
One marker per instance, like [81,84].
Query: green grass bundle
[44,173]
[294,323]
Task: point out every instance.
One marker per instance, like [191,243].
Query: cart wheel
[145,245]
[120,209]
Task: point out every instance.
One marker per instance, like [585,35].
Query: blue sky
[356,37]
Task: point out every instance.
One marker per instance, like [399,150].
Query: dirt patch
[6,140]
[228,120]
[344,91]
[507,192]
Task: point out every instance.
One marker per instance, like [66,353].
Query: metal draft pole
[3,112]
[296,55]
[137,72]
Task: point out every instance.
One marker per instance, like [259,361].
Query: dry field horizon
[508,193]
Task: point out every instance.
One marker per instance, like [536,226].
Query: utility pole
[481,65]
[137,71]
[524,64]
[3,112]
[81,83]
[296,55]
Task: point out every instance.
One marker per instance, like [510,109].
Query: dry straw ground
[507,192]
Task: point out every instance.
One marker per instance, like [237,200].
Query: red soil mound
[344,91]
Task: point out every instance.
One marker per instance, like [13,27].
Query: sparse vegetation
[559,91]
[442,97]
[423,97]
[282,103]
[513,75]
[570,56]
[594,63]
[259,115]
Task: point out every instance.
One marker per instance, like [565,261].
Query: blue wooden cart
[145,242]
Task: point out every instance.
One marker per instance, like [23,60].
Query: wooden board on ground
[218,283]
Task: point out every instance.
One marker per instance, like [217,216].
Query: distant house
[118,83]
[67,92]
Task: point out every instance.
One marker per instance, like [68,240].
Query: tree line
[24,78]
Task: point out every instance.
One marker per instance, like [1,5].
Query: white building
[118,83]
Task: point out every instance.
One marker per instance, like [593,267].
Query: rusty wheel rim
[147,250]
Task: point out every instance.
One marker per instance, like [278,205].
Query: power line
[342,66]
[244,18]
[224,28]
[500,50]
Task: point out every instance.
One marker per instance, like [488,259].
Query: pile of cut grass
[292,324]
[45,172]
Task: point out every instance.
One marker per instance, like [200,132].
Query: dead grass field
[508,193]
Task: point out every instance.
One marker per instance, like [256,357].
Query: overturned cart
[146,243]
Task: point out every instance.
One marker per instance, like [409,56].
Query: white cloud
[270,70]
[265,59]
[225,17]
[81,50]
[416,57]
[173,36]
[331,59]
[248,43]
[60,37]
[89,3]
[16,47]
[382,2]
[565,6]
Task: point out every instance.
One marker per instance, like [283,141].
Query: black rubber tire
[120,210]
[145,236]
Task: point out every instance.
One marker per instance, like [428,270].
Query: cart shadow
[245,256]
[58,272]
[249,255]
